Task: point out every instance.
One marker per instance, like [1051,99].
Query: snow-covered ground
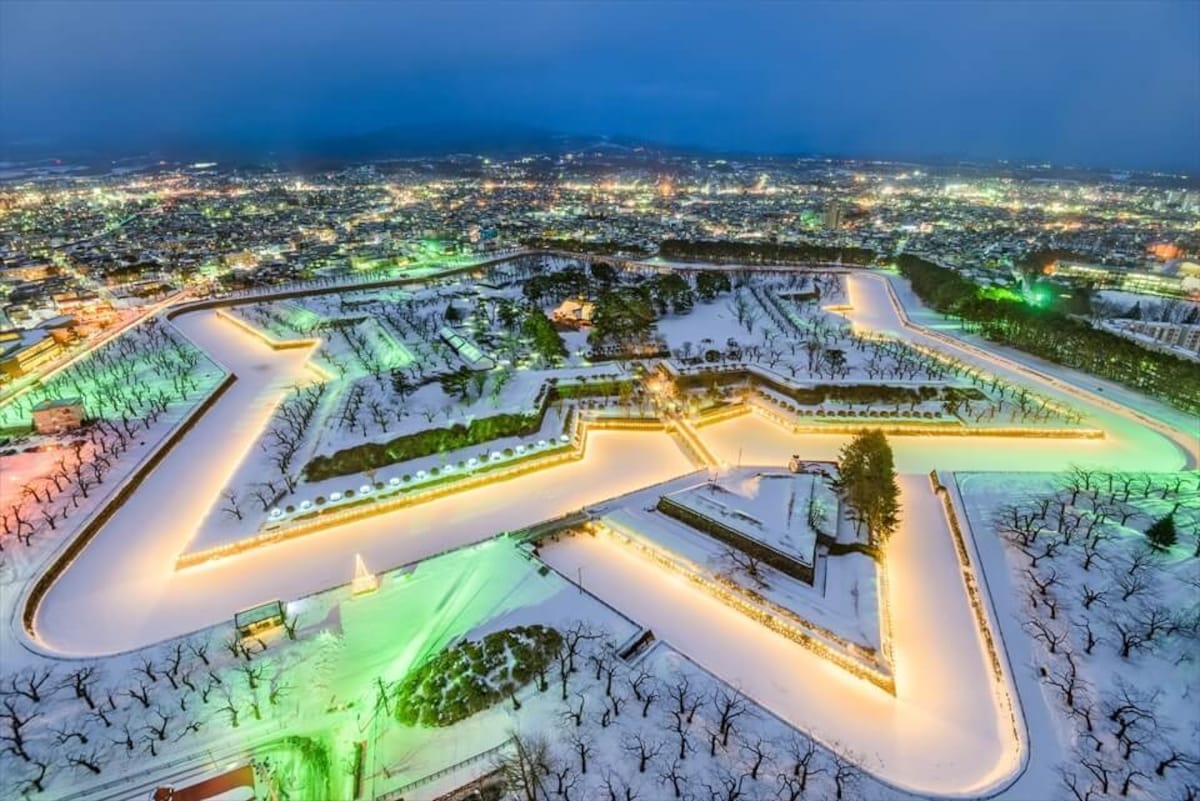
[1101,631]
[774,508]
[126,592]
[946,731]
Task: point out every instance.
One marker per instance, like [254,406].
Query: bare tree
[1066,680]
[1051,635]
[730,786]
[1171,757]
[146,668]
[686,701]
[232,506]
[565,778]
[91,760]
[581,744]
[645,688]
[846,776]
[1128,774]
[747,563]
[64,735]
[729,707]
[1081,788]
[15,722]
[641,748]
[82,682]
[573,638]
[1133,713]
[174,664]
[35,777]
[802,752]
[253,674]
[523,766]
[1089,596]
[674,774]
[141,694]
[1084,625]
[31,683]
[264,494]
[1130,635]
[575,714]
[159,728]
[605,665]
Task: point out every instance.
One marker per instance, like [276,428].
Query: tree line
[762,252]
[1054,336]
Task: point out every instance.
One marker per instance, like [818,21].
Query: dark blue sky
[1092,83]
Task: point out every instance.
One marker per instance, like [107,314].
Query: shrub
[474,675]
[1161,533]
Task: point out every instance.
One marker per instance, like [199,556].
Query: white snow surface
[943,732]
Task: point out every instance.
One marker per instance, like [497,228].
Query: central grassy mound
[473,675]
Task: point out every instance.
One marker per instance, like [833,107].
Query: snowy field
[1102,627]
[781,510]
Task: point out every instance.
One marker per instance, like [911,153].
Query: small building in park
[257,619]
[574,312]
[58,416]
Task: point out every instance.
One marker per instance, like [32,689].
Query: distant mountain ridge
[398,141]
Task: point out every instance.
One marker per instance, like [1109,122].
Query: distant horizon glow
[1100,84]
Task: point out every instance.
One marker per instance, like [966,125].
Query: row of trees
[43,503]
[118,378]
[136,375]
[763,252]
[1054,336]
[60,725]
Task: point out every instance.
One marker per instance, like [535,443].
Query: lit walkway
[943,731]
[122,592]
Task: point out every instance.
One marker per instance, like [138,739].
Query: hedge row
[374,455]
[843,393]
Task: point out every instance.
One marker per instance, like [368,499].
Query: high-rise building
[833,216]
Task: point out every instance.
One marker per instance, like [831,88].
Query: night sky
[1107,84]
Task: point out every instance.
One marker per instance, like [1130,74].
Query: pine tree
[867,479]
[1161,533]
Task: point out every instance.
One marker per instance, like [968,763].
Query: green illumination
[297,767]
[475,674]
[999,293]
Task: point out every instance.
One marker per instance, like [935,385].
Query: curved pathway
[943,732]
